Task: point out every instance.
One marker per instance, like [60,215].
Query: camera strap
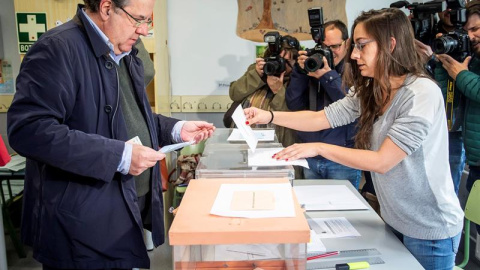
[313,94]
[449,103]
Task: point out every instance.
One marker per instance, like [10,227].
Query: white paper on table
[15,164]
[336,227]
[263,157]
[240,120]
[264,135]
[315,245]
[284,206]
[328,197]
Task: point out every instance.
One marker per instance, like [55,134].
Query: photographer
[455,117]
[466,75]
[257,89]
[315,90]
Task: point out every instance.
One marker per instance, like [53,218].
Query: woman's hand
[257,116]
[297,151]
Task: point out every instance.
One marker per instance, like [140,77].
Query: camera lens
[270,68]
[444,44]
[314,62]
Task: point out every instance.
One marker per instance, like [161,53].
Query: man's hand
[452,66]
[143,158]
[302,56]
[259,63]
[196,130]
[275,83]
[320,72]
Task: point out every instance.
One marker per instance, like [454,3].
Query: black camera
[274,64]
[423,19]
[456,43]
[316,54]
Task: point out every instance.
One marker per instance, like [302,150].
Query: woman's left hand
[297,151]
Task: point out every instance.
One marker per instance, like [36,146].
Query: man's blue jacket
[79,212]
[327,89]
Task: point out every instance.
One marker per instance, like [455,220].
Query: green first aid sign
[30,26]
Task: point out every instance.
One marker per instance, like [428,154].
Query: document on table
[328,197]
[336,227]
[263,157]
[16,164]
[253,200]
[264,135]
[315,245]
[280,194]
[240,120]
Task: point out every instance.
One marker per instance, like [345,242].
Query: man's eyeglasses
[334,47]
[139,22]
[359,46]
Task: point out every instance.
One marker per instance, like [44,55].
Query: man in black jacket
[80,99]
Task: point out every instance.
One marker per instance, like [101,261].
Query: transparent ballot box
[221,135]
[202,240]
[231,161]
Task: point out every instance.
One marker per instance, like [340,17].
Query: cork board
[288,17]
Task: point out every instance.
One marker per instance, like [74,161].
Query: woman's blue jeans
[432,254]
[326,169]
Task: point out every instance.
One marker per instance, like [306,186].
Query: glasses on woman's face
[359,45]
[335,47]
[139,22]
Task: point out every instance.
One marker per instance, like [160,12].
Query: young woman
[402,137]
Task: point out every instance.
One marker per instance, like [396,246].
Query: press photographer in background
[264,83]
[315,83]
[466,79]
[454,41]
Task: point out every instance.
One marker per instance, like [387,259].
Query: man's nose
[142,29]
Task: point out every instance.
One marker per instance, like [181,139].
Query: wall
[8,39]
[205,52]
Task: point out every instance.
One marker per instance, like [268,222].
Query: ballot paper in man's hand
[240,120]
[173,147]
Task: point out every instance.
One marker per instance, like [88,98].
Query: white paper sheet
[328,197]
[263,157]
[264,135]
[336,227]
[315,245]
[173,147]
[239,118]
[284,206]
[16,164]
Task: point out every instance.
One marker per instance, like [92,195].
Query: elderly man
[80,100]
